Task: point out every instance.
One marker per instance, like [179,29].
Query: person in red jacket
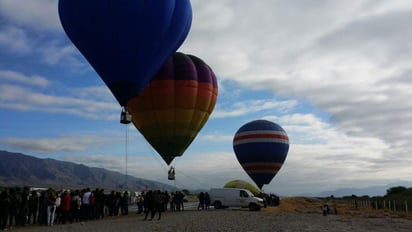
[65,207]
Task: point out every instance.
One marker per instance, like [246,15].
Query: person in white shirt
[85,208]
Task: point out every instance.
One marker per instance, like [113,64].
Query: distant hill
[366,191]
[17,169]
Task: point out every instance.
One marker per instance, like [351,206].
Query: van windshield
[243,194]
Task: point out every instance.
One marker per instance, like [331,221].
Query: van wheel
[254,207]
[217,205]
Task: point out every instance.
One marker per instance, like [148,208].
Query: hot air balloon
[261,148]
[175,105]
[126,42]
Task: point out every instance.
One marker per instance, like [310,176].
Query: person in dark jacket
[12,207]
[201,198]
[148,203]
[158,204]
[33,207]
[4,209]
[124,204]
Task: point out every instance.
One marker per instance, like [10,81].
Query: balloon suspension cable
[165,167]
[176,185]
[156,156]
[193,179]
[126,154]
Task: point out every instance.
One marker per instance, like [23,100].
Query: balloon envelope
[261,148]
[126,42]
[244,185]
[175,105]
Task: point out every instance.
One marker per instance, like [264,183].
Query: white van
[234,197]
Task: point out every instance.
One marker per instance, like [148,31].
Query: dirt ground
[294,214]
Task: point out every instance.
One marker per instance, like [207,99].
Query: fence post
[376,204]
[384,204]
[389,205]
[394,205]
[406,206]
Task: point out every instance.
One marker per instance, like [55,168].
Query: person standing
[148,203]
[12,207]
[22,206]
[201,198]
[33,206]
[65,207]
[43,203]
[101,199]
[111,203]
[85,208]
[207,200]
[158,204]
[176,198]
[92,204]
[51,208]
[4,209]
[124,203]
[75,206]
[57,214]
[140,204]
[166,200]
[181,200]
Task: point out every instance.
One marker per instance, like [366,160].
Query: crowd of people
[152,202]
[20,206]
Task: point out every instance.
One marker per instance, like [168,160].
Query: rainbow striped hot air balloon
[175,105]
[261,148]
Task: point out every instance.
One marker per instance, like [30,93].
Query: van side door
[243,198]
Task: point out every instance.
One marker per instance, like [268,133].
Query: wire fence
[397,206]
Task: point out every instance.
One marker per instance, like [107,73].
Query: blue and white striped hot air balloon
[261,148]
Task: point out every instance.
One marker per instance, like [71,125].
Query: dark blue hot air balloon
[126,41]
[261,148]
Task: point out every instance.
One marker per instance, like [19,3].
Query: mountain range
[18,169]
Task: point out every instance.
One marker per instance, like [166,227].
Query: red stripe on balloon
[255,136]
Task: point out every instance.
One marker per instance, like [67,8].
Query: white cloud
[30,28]
[252,106]
[12,76]
[215,137]
[101,93]
[26,99]
[51,145]
[14,39]
[54,54]
[39,14]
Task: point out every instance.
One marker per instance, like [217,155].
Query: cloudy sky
[334,74]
